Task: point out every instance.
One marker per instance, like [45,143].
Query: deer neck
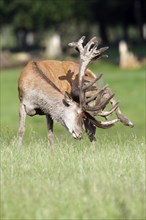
[54,106]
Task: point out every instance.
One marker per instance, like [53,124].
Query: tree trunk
[138,17]
[21,36]
[125,31]
[103,31]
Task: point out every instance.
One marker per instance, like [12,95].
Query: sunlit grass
[72,181]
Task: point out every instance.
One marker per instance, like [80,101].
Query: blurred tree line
[73,18]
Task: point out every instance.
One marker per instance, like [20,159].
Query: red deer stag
[65,91]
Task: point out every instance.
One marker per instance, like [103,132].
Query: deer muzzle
[77,136]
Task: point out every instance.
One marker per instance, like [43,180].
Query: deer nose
[80,136]
[77,136]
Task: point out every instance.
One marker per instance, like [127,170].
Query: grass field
[71,181]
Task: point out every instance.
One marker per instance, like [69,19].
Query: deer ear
[67,99]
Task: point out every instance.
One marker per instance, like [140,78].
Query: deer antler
[87,54]
[118,113]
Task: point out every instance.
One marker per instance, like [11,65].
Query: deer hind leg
[50,129]
[118,112]
[22,118]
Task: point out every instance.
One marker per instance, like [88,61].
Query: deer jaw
[73,117]
[72,121]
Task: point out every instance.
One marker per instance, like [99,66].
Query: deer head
[73,120]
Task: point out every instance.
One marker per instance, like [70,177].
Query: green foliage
[111,20]
[49,13]
[33,15]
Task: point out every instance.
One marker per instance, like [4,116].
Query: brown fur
[62,73]
[42,90]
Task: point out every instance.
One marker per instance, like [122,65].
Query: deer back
[58,75]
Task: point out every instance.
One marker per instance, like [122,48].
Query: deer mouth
[77,136]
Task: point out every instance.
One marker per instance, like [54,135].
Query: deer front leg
[22,118]
[50,129]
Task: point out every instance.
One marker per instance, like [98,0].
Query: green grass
[72,181]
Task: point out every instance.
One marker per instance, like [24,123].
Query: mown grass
[71,181]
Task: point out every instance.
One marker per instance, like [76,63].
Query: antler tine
[105,124]
[88,52]
[101,124]
[96,53]
[107,113]
[102,49]
[97,95]
[100,106]
[92,82]
[118,113]
[93,41]
[78,45]
[91,52]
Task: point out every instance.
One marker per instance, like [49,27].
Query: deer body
[66,92]
[63,74]
[42,86]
